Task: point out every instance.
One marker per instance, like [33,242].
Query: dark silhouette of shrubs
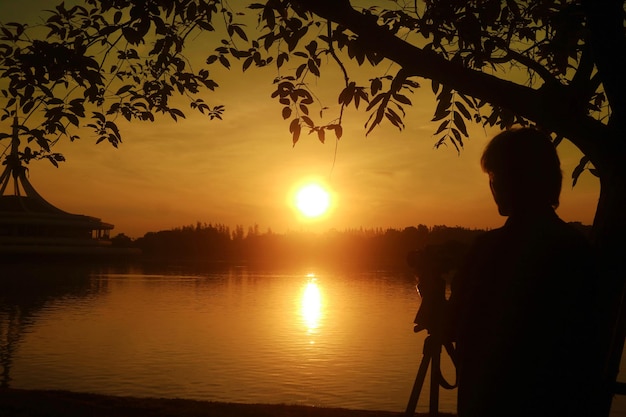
[350,247]
[217,243]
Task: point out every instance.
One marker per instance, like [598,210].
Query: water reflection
[25,290]
[239,335]
[312,304]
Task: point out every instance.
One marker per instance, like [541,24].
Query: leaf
[281,59]
[321,135]
[123,90]
[176,112]
[300,69]
[514,8]
[241,54]
[376,99]
[336,128]
[376,85]
[379,117]
[224,61]
[286,112]
[311,47]
[411,84]
[247,63]
[72,118]
[402,99]
[268,17]
[308,98]
[362,94]
[205,25]
[54,101]
[357,97]
[239,31]
[114,140]
[443,115]
[435,86]
[191,11]
[457,139]
[460,123]
[394,118]
[294,128]
[442,109]
[579,169]
[313,67]
[28,91]
[345,97]
[471,102]
[308,121]
[461,107]
[443,126]
[28,106]
[112,126]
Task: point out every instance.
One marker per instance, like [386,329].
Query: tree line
[208,242]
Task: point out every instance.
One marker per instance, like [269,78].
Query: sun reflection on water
[311,304]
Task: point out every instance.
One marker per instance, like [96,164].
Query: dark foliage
[357,247]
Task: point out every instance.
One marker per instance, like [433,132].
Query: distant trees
[217,243]
[356,247]
[364,247]
[200,241]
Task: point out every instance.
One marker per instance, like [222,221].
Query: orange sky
[242,169]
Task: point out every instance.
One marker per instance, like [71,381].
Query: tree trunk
[610,243]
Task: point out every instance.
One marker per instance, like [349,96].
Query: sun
[312,200]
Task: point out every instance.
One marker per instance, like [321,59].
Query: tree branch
[605,22]
[549,107]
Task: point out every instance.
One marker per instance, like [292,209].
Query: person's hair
[525,161]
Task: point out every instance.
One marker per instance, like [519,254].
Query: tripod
[429,317]
[431,356]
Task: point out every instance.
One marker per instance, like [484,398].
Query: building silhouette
[31,225]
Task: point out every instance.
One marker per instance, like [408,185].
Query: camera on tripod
[430,265]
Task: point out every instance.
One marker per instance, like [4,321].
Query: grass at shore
[33,403]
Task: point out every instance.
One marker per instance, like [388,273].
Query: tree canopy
[556,64]
[489,62]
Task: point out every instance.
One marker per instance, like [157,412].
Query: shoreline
[53,403]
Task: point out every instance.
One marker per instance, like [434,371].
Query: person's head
[524,171]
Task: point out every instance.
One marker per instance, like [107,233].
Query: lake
[330,338]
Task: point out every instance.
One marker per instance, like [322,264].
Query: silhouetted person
[523,324]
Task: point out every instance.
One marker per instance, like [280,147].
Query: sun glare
[312,200]
[311,305]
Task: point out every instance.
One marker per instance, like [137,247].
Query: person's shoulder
[571,233]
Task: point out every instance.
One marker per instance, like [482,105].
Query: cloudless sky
[242,170]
